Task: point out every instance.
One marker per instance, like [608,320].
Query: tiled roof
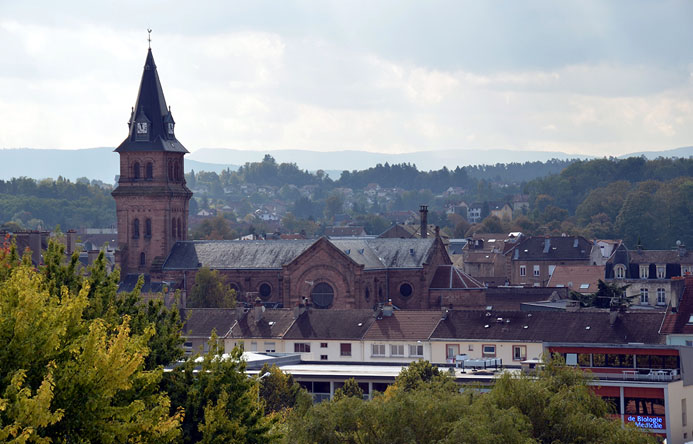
[404,325]
[585,327]
[679,322]
[553,248]
[449,277]
[272,324]
[344,231]
[484,257]
[580,278]
[201,321]
[129,282]
[331,324]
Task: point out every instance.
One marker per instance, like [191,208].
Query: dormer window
[620,271]
[644,271]
[169,129]
[661,271]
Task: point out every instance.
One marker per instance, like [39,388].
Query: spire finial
[149,37]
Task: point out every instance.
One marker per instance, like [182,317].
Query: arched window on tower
[142,259]
[148,228]
[173,228]
[136,171]
[176,168]
[179,229]
[136,229]
[170,170]
[149,171]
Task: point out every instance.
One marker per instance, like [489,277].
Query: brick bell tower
[151,196]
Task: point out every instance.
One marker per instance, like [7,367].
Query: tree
[221,403]
[216,228]
[349,389]
[279,391]
[67,376]
[210,291]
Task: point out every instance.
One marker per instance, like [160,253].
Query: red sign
[648,422]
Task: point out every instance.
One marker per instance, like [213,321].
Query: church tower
[151,196]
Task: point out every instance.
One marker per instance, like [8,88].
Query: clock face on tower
[170,128]
[141,127]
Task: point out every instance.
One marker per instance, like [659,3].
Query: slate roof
[659,257]
[234,254]
[344,231]
[129,282]
[551,326]
[151,106]
[558,248]
[331,324]
[371,253]
[200,322]
[272,324]
[451,277]
[404,325]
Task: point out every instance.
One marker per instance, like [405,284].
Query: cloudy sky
[583,77]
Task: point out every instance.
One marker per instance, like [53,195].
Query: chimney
[613,316]
[258,309]
[70,241]
[300,308]
[681,248]
[444,315]
[424,221]
[388,308]
[92,255]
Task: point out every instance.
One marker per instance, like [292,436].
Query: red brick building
[151,196]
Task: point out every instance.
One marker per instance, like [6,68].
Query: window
[345,349]
[136,229]
[644,296]
[644,271]
[302,347]
[378,350]
[488,351]
[405,290]
[143,259]
[170,171]
[173,228]
[451,350]
[323,345]
[322,295]
[686,269]
[519,352]
[536,270]
[265,290]
[149,171]
[136,171]
[571,359]
[620,271]
[179,229]
[661,296]
[323,357]
[396,350]
[271,348]
[416,350]
[661,272]
[148,228]
[253,346]
[684,412]
[523,270]
[470,347]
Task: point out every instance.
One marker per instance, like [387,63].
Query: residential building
[534,259]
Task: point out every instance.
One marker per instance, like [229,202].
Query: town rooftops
[270,324]
[585,327]
[200,322]
[553,248]
[680,322]
[331,324]
[451,277]
[580,278]
[404,325]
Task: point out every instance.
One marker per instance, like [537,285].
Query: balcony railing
[640,375]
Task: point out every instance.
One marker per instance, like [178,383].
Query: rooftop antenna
[149,37]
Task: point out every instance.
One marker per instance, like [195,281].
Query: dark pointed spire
[151,123]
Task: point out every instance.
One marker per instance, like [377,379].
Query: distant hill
[102,163]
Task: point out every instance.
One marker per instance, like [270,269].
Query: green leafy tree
[279,391]
[210,291]
[349,389]
[221,403]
